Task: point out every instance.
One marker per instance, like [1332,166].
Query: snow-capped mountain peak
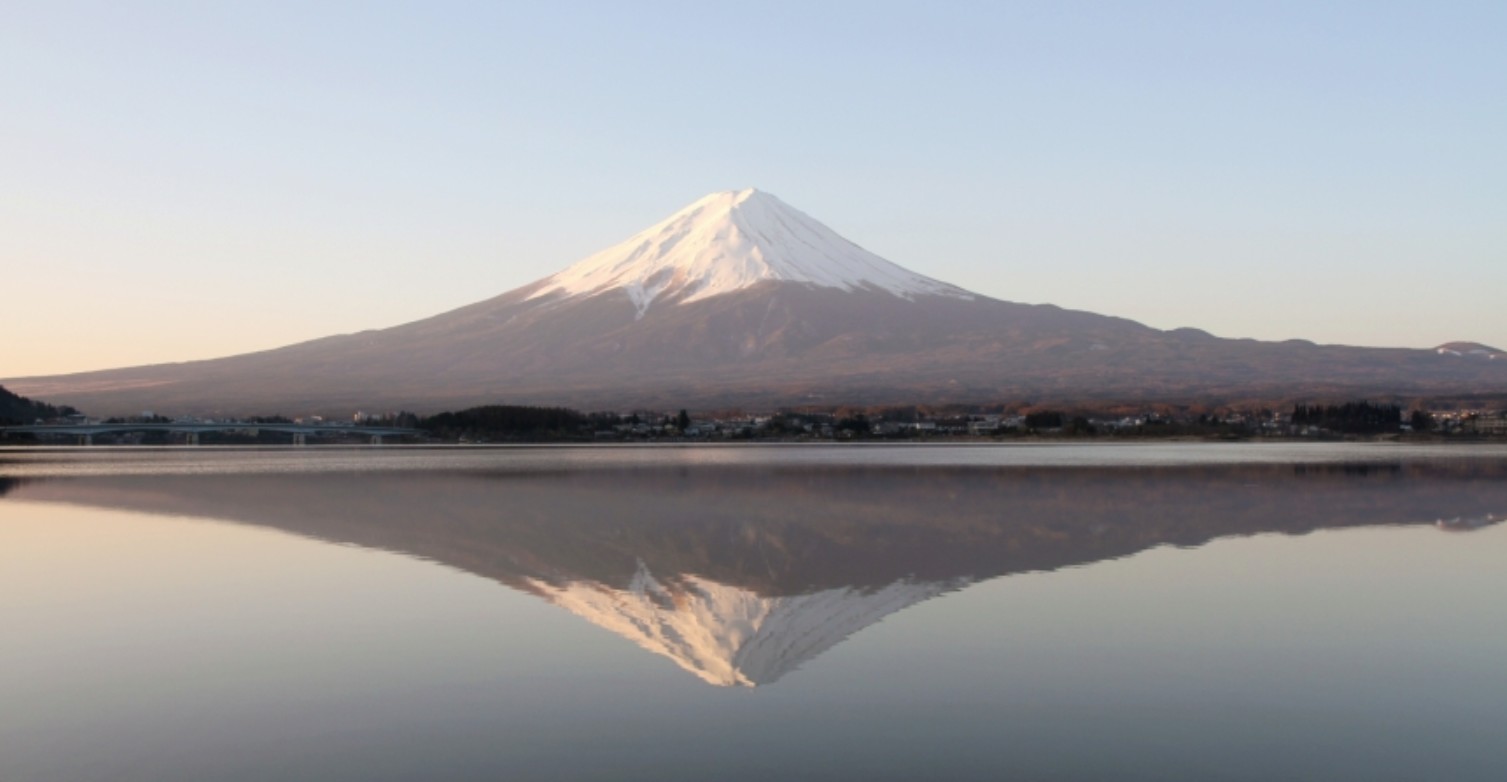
[729,241]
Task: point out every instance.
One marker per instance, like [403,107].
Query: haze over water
[1057,612]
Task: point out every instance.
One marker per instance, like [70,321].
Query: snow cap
[729,241]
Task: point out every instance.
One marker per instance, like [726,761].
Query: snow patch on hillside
[1470,350]
[729,241]
[729,636]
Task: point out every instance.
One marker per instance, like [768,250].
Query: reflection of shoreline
[545,458]
[739,575]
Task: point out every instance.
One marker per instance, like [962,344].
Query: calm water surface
[1164,612]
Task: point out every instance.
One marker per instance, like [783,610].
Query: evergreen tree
[16,409]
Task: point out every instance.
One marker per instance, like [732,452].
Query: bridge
[85,432]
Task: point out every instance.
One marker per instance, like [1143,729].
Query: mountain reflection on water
[740,574]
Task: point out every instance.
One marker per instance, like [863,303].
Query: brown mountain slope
[775,343]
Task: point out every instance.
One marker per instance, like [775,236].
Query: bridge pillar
[299,438]
[193,438]
[86,439]
[376,439]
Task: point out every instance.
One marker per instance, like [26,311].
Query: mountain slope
[739,299]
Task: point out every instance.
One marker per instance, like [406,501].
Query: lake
[1043,612]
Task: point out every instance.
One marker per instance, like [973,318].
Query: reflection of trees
[8,485]
[791,531]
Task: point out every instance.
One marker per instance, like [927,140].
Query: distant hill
[740,300]
[16,409]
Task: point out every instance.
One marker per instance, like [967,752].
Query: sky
[191,180]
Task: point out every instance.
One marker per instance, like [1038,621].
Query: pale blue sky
[190,180]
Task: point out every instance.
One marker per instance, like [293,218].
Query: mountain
[695,563]
[740,299]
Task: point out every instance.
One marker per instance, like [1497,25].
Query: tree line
[522,420]
[17,410]
[1350,418]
